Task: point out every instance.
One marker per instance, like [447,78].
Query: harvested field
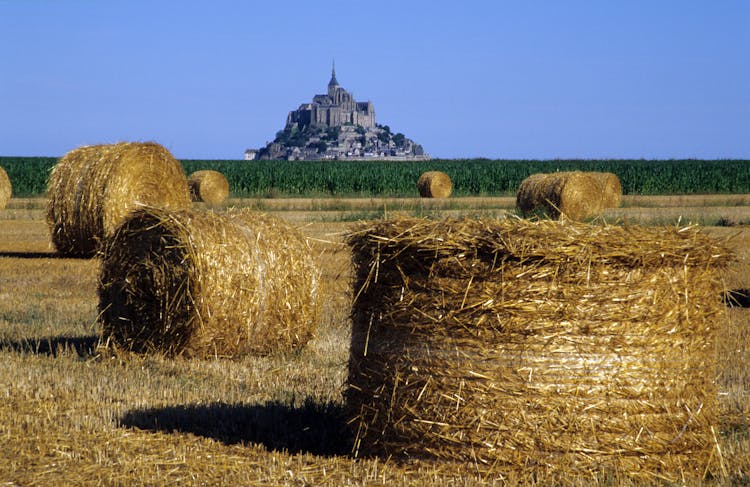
[74,415]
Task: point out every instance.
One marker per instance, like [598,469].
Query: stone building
[334,109]
[336,126]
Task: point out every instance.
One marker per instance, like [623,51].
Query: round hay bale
[611,189]
[551,347]
[6,190]
[434,184]
[208,186]
[575,195]
[528,194]
[92,189]
[205,284]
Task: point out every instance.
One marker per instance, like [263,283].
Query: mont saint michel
[336,126]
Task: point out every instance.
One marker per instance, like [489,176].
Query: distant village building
[336,126]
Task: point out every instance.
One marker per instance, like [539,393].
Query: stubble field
[73,413]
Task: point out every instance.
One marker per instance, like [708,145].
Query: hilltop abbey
[336,108]
[336,126]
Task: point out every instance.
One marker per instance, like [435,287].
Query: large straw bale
[208,186]
[577,195]
[92,189]
[560,348]
[611,189]
[434,184]
[6,189]
[206,284]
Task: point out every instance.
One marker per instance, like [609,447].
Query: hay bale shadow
[82,346]
[40,255]
[311,427]
[737,298]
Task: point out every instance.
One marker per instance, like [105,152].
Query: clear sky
[531,79]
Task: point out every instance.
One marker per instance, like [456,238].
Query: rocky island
[336,126]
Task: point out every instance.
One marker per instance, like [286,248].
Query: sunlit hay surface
[611,189]
[6,189]
[92,189]
[556,348]
[576,195]
[434,184]
[208,186]
[208,284]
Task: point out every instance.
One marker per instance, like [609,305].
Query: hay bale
[92,189]
[434,184]
[6,189]
[576,195]
[529,198]
[208,186]
[611,189]
[204,284]
[552,347]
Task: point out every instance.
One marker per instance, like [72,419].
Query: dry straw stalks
[557,348]
[434,184]
[92,189]
[6,190]
[577,195]
[208,186]
[206,284]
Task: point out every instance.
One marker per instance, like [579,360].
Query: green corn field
[470,177]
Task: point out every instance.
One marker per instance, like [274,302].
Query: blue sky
[533,79]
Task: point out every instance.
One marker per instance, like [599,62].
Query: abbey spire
[333,81]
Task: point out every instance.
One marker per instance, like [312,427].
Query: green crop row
[471,177]
[28,175]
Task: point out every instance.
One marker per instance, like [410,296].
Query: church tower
[339,96]
[333,84]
